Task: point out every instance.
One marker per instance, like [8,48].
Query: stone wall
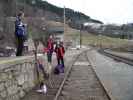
[17,77]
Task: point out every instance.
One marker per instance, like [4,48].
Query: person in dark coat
[60,51]
[20,33]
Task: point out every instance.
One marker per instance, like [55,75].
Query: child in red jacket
[60,51]
[50,49]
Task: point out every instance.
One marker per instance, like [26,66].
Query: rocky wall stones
[16,80]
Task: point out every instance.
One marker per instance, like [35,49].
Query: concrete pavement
[116,77]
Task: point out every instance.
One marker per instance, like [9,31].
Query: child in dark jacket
[20,33]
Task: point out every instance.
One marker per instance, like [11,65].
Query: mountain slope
[73,18]
[37,9]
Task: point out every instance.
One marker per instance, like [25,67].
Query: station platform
[116,77]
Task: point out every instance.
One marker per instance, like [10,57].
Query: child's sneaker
[43,88]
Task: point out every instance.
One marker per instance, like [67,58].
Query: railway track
[81,82]
[51,90]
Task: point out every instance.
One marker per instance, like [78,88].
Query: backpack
[56,71]
[20,28]
[59,69]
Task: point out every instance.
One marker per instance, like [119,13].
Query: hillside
[34,11]
[74,18]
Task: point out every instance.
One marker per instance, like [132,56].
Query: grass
[104,41]
[95,40]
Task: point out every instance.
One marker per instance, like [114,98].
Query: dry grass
[104,41]
[95,40]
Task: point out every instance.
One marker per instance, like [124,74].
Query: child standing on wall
[20,33]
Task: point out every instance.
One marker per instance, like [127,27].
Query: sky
[107,11]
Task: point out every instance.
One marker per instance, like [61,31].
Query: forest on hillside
[74,18]
[34,10]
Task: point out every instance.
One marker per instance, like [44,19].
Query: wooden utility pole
[64,18]
[24,6]
[64,26]
[80,37]
[80,31]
